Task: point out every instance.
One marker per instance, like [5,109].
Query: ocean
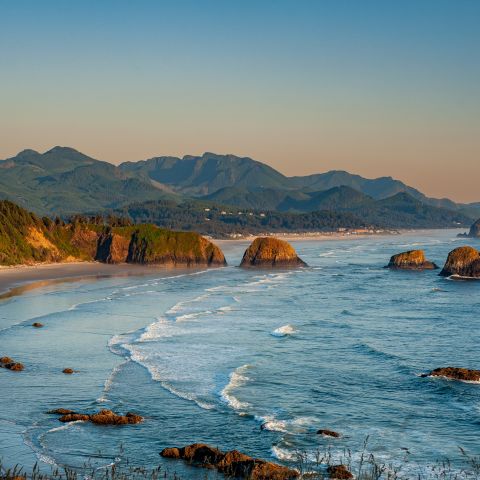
[256,360]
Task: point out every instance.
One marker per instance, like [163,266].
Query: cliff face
[271,252]
[411,260]
[463,261]
[112,248]
[27,239]
[153,245]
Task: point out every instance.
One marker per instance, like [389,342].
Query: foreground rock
[271,252]
[232,463]
[104,417]
[462,261]
[340,472]
[411,260]
[454,373]
[328,433]
[10,364]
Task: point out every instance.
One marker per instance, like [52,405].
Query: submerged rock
[455,373]
[6,360]
[411,260]
[67,371]
[271,252]
[104,417]
[462,261]
[37,325]
[232,463]
[328,433]
[339,472]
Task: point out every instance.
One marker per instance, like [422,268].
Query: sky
[374,87]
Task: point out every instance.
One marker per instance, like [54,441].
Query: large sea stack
[462,261]
[271,252]
[411,260]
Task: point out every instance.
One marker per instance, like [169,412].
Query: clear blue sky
[373,87]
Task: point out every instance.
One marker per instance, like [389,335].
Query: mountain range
[63,180]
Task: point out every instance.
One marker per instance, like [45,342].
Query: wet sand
[20,279]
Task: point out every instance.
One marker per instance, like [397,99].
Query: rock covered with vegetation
[27,239]
[232,463]
[455,373]
[411,260]
[271,252]
[462,261]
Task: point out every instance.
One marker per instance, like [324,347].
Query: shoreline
[18,279]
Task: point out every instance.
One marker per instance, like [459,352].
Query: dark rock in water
[10,364]
[233,463]
[271,252]
[454,373]
[328,433]
[61,411]
[411,260]
[104,417]
[67,371]
[462,261]
[74,417]
[15,366]
[37,325]
[475,230]
[339,472]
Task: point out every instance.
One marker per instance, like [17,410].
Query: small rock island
[474,231]
[411,260]
[463,262]
[455,373]
[271,252]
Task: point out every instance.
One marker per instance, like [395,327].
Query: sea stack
[411,260]
[462,261]
[271,252]
[475,230]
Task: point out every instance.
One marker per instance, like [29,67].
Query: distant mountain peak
[63,150]
[27,152]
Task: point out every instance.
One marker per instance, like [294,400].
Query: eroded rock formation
[103,417]
[271,252]
[462,261]
[411,260]
[10,364]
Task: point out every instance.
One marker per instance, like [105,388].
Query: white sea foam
[284,454]
[65,426]
[109,382]
[284,331]
[156,330]
[237,379]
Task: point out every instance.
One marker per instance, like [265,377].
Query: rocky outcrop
[232,463]
[10,364]
[112,247]
[339,472]
[37,325]
[455,373]
[411,260]
[153,245]
[328,433]
[462,261]
[475,230]
[68,371]
[271,252]
[104,417]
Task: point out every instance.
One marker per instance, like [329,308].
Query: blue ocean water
[256,360]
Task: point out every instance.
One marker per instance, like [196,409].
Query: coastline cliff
[26,239]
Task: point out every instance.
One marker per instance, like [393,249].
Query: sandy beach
[19,279]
